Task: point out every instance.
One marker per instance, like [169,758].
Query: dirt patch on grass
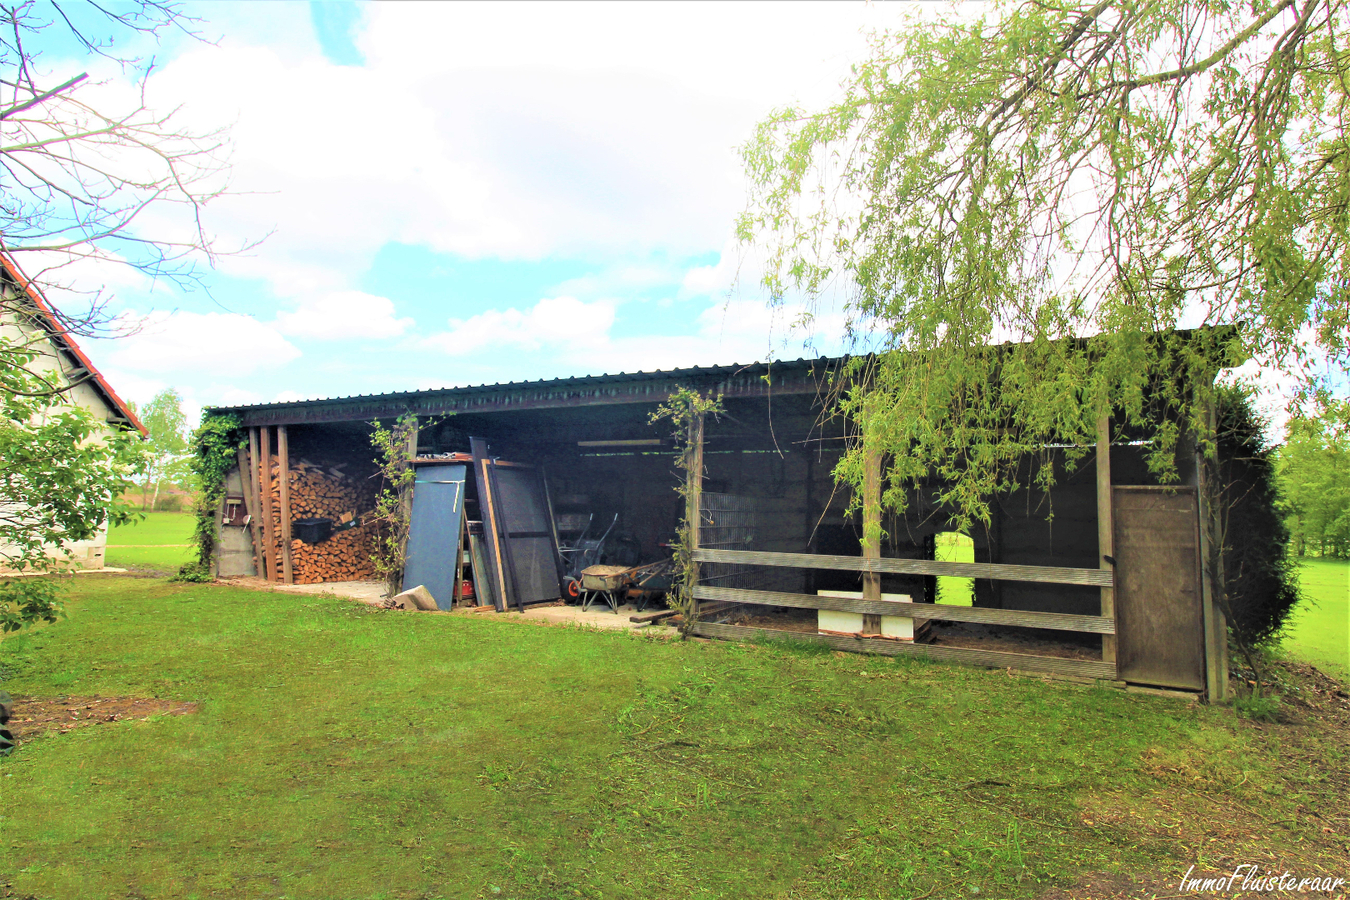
[1037,642]
[1034,641]
[36,715]
[1290,812]
[1109,886]
[802,621]
[1310,694]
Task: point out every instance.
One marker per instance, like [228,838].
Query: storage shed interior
[1033,586]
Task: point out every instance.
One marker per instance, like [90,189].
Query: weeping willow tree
[1057,211]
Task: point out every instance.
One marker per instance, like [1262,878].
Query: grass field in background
[344,751]
[161,541]
[1320,631]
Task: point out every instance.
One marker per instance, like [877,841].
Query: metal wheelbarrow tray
[612,582]
[605,582]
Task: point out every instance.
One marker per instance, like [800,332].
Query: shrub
[170,503]
[1259,585]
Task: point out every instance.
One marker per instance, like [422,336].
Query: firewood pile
[332,492]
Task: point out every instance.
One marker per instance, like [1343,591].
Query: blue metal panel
[434,534]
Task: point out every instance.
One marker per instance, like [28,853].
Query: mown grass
[1319,631]
[161,541]
[342,752]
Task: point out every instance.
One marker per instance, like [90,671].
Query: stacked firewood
[330,492]
[346,556]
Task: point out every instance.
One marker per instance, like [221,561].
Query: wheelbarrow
[608,583]
[612,583]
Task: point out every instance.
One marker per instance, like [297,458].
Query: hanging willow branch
[1027,207]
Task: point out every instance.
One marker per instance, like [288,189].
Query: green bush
[1260,583]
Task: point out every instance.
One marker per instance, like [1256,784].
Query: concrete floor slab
[595,617]
[371,593]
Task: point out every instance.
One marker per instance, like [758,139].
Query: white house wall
[90,554]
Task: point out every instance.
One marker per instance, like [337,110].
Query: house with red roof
[30,322]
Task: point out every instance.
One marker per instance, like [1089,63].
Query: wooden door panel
[1160,626]
[434,532]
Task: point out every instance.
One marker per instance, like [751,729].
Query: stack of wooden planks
[329,492]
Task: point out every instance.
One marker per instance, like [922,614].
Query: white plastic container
[901,627]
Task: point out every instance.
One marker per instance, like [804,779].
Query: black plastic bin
[312,531]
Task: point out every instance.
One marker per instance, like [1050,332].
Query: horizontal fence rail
[1081,668]
[1013,617]
[995,571]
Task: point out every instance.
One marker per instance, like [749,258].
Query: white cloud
[556,322]
[130,386]
[603,133]
[565,336]
[180,343]
[516,131]
[624,280]
[234,396]
[343,315]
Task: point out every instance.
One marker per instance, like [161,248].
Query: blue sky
[465,193]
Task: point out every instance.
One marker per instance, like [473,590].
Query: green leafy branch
[393,507]
[62,475]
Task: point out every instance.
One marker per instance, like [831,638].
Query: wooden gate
[1159,620]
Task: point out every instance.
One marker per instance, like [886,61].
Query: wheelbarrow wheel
[571,590]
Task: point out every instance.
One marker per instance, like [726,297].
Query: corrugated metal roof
[702,372]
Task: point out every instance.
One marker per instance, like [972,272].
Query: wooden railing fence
[1087,668]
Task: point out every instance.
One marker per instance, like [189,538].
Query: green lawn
[345,752]
[162,541]
[1320,630]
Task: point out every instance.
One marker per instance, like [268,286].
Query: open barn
[518,483]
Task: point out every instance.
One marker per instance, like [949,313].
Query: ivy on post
[215,450]
[687,409]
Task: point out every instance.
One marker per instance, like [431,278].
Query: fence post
[248,481]
[871,520]
[693,497]
[1211,560]
[1105,528]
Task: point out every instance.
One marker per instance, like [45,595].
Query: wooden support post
[255,465]
[248,480]
[265,491]
[1105,527]
[871,522]
[1215,622]
[693,496]
[284,460]
[406,500]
